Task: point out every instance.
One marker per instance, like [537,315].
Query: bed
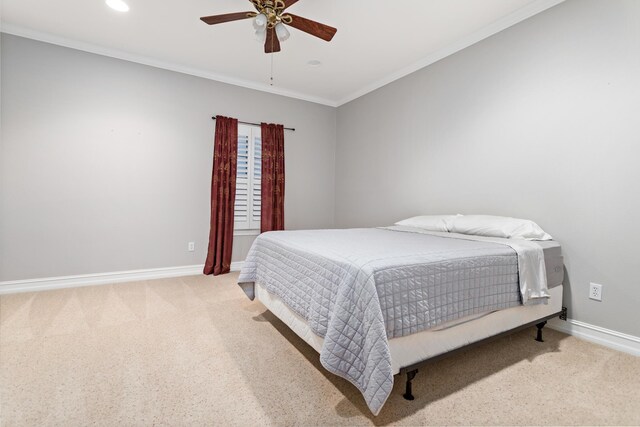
[378,302]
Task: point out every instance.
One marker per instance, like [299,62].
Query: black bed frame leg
[408,395]
[540,326]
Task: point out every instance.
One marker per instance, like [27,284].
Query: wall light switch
[191,247]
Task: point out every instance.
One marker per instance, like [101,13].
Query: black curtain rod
[256,124]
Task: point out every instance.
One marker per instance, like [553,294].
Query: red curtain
[223,196]
[272,198]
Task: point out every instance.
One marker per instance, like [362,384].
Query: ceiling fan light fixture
[261,34]
[260,21]
[118,5]
[282,32]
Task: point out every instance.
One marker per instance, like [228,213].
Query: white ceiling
[377,41]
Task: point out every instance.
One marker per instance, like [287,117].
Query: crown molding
[500,25]
[473,38]
[20,31]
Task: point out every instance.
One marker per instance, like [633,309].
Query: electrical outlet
[595,291]
[191,247]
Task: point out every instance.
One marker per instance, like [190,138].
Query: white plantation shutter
[241,209]
[248,176]
[256,184]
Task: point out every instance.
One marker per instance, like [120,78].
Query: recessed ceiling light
[314,63]
[118,5]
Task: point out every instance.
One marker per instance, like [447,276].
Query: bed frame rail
[412,370]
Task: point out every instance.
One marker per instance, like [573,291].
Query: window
[248,179]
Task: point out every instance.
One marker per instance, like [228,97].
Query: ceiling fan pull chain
[271,83]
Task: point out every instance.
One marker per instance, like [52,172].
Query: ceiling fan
[270,20]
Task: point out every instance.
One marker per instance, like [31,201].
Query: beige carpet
[195,351]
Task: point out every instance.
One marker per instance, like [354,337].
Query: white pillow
[499,226]
[430,222]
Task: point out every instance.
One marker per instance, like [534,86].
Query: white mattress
[411,349]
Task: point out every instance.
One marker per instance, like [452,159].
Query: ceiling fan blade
[219,19]
[271,44]
[314,28]
[289,3]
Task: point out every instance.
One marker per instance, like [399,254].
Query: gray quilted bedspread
[357,288]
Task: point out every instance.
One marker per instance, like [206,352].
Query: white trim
[596,334]
[246,232]
[48,283]
[20,31]
[237,265]
[491,29]
[606,337]
[473,38]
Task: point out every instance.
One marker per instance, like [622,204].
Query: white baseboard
[48,283]
[606,337]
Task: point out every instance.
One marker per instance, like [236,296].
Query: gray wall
[106,164]
[540,121]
